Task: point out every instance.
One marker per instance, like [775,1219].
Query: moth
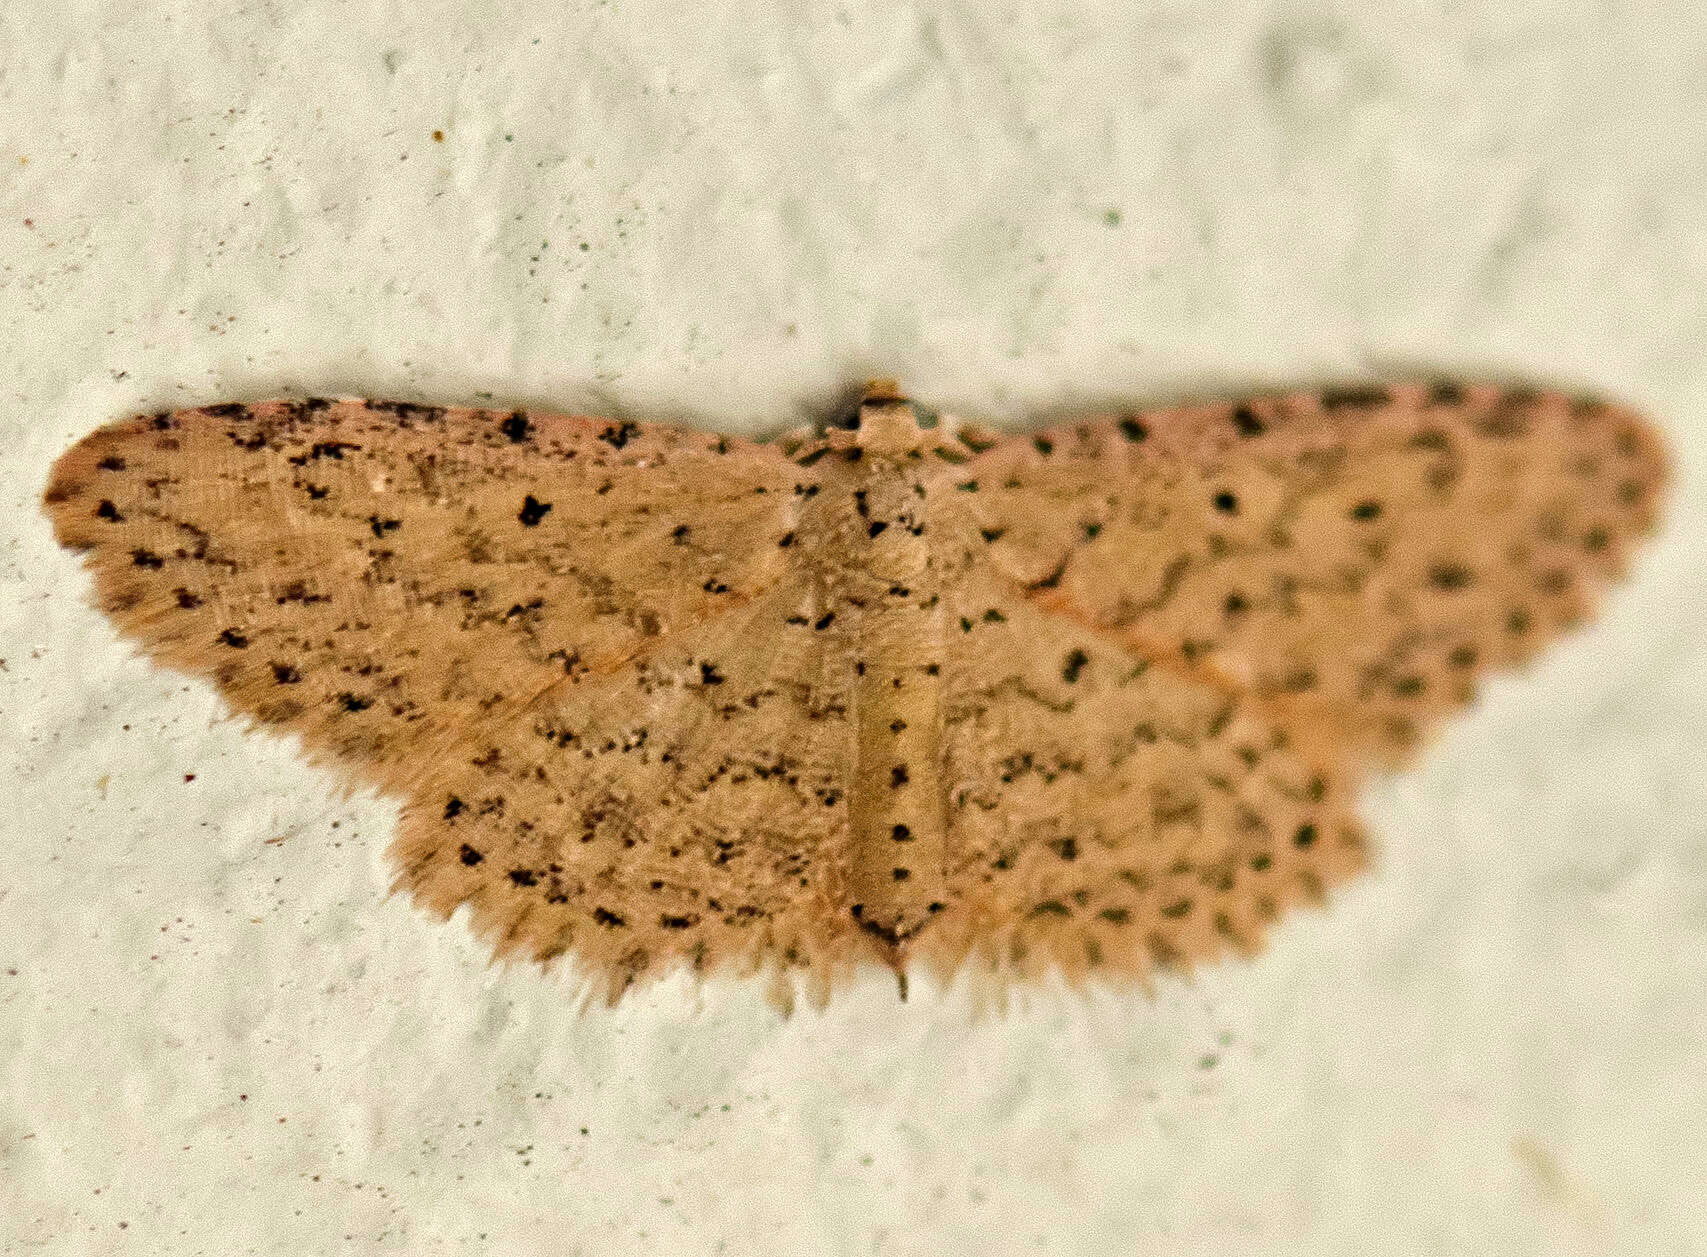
[906,690]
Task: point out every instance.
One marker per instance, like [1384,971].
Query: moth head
[885,423]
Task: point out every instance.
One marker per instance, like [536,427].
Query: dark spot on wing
[1245,421]
[1053,579]
[619,435]
[533,510]
[1355,398]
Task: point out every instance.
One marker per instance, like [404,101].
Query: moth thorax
[888,427]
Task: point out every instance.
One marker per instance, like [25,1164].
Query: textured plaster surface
[218,1035]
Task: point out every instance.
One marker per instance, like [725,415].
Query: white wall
[1492,1044]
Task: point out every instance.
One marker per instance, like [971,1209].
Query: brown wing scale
[1089,699]
[1358,557]
[379,578]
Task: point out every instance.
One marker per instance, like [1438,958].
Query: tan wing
[385,579]
[689,808]
[1108,812]
[1358,557]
